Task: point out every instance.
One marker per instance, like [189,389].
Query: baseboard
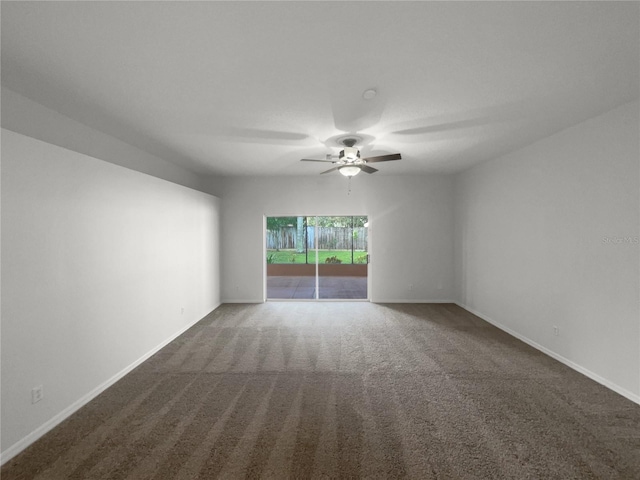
[413,300]
[242,300]
[20,445]
[392,300]
[578,368]
[316,300]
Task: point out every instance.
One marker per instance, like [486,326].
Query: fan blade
[315,160]
[444,127]
[368,169]
[330,170]
[383,158]
[254,134]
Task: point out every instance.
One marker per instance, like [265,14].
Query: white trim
[391,300]
[316,229]
[316,300]
[578,368]
[413,300]
[311,300]
[23,443]
[264,258]
[242,300]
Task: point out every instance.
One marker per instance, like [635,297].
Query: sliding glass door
[313,257]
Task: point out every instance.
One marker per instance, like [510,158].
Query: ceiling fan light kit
[349,170]
[349,162]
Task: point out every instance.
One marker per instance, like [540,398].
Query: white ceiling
[237,88]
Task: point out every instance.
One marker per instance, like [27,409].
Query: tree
[275,224]
[342,221]
[300,235]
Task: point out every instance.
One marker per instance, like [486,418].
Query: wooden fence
[329,238]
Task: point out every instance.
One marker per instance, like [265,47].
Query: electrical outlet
[556,330]
[37,394]
[182,311]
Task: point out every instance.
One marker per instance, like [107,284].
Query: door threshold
[317,300]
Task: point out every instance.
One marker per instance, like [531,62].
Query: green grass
[290,256]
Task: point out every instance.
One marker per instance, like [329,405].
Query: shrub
[361,259]
[333,259]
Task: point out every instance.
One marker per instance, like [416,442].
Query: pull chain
[349,190]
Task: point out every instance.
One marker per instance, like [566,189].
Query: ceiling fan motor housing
[349,155]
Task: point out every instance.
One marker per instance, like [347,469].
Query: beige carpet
[344,390]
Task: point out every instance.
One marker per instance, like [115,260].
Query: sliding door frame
[264,256]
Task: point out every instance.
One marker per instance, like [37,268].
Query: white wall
[22,115]
[410,230]
[98,262]
[548,236]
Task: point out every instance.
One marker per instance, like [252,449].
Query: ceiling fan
[349,162]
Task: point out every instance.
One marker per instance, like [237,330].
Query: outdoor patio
[304,287]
